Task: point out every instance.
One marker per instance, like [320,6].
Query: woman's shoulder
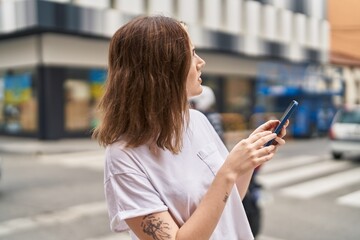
[121,159]
[116,152]
[198,117]
[196,114]
[121,149]
[117,147]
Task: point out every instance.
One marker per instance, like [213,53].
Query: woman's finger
[264,158]
[279,141]
[260,142]
[283,130]
[267,126]
[266,150]
[287,123]
[261,135]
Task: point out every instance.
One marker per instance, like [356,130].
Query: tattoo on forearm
[226,197]
[155,227]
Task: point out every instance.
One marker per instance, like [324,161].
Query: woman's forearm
[242,183]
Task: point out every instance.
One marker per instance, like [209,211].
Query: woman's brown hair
[145,100]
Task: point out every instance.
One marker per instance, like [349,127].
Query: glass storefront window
[81,98]
[239,96]
[77,105]
[97,80]
[18,101]
[235,99]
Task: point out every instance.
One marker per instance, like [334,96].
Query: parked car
[344,132]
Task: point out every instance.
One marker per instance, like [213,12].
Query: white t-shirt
[137,183]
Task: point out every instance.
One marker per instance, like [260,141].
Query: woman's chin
[199,91]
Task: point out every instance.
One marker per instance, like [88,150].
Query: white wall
[313,33]
[78,51]
[284,4]
[356,72]
[269,21]
[163,7]
[19,52]
[350,93]
[234,15]
[299,29]
[189,15]
[113,21]
[324,41]
[212,15]
[298,38]
[131,6]
[285,25]
[60,1]
[252,21]
[352,80]
[25,16]
[315,8]
[53,49]
[228,65]
[93,3]
[252,40]
[7,17]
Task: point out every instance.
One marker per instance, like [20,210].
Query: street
[306,195]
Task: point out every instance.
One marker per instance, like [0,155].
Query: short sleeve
[129,194]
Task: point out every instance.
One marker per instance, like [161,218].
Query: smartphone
[290,109]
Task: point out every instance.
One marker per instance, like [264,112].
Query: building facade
[259,55]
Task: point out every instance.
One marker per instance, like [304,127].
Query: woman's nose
[201,63]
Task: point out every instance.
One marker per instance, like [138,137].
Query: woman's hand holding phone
[249,153]
[284,119]
[259,147]
[270,126]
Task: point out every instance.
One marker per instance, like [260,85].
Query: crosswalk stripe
[322,185]
[352,199]
[263,237]
[67,215]
[290,162]
[277,179]
[115,236]
[126,236]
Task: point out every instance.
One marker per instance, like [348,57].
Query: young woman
[167,173]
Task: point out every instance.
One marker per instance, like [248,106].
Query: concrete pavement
[23,145]
[20,145]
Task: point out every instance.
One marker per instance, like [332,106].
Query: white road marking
[352,199]
[114,236]
[323,185]
[57,217]
[262,237]
[276,179]
[290,162]
[126,236]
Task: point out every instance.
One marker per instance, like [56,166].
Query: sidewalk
[19,145]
